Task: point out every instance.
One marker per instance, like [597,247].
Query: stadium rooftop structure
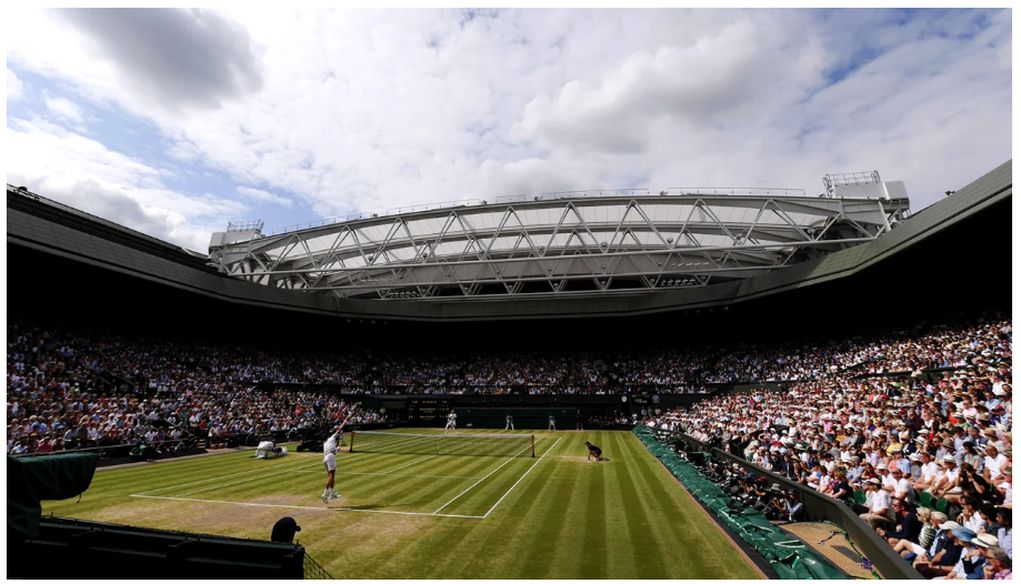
[565,244]
[48,240]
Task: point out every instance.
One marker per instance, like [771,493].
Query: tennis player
[510,423]
[451,422]
[552,423]
[330,461]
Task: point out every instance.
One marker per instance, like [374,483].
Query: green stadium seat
[942,504]
[925,499]
[859,496]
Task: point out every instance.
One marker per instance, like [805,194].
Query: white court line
[509,460]
[346,509]
[522,477]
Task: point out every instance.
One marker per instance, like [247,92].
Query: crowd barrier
[91,550]
[818,507]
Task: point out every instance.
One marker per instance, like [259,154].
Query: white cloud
[264,196]
[85,174]
[371,110]
[14,86]
[64,109]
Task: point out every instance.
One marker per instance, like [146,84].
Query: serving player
[451,422]
[330,461]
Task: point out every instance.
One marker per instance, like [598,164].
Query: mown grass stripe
[567,518]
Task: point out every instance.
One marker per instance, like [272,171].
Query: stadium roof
[36,223]
[571,244]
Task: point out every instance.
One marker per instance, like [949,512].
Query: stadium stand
[890,362]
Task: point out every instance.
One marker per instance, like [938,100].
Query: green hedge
[788,556]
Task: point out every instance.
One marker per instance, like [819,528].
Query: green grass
[565,518]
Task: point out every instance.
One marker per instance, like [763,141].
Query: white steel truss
[557,246]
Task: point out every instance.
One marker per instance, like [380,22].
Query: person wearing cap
[901,486]
[948,477]
[284,530]
[885,478]
[944,561]
[855,470]
[928,472]
[330,462]
[880,511]
[916,468]
[930,541]
[969,565]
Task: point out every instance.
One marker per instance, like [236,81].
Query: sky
[174,121]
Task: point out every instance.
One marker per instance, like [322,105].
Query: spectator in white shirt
[901,486]
[880,509]
[993,463]
[929,471]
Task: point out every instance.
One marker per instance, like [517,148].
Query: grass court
[419,514]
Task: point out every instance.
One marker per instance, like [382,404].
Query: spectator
[879,503]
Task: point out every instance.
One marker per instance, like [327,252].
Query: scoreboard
[429,411]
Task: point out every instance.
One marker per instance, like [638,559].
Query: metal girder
[559,245]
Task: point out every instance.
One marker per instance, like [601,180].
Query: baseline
[309,507]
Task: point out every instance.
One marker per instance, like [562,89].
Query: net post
[533,445]
[351,448]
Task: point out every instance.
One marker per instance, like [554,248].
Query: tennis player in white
[330,461]
[451,422]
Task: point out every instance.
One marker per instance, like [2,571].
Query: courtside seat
[859,496]
[925,499]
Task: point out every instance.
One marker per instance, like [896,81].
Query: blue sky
[175,121]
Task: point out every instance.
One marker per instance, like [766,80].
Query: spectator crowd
[911,428]
[913,431]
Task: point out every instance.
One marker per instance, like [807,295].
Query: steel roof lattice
[568,244]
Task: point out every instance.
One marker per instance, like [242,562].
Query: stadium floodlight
[457,444]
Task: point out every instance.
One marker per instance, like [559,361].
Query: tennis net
[455,444]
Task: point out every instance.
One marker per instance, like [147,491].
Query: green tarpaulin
[32,479]
[788,556]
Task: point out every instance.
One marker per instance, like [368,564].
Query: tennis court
[480,511]
[464,475]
